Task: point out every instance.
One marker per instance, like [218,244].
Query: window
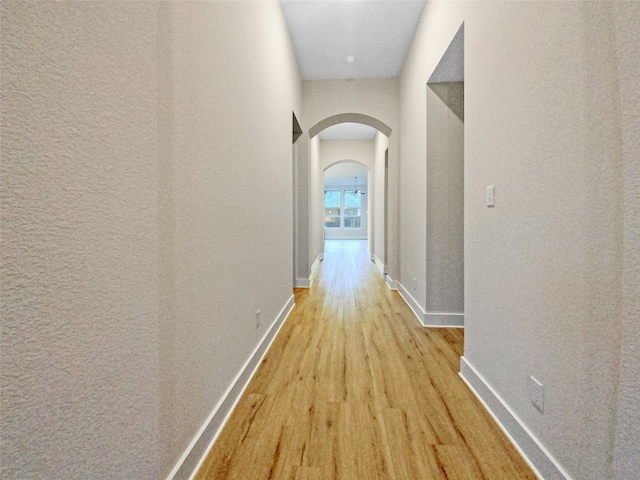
[342,208]
[332,208]
[351,209]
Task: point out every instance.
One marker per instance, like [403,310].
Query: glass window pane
[351,199]
[333,212]
[352,222]
[332,198]
[354,212]
[332,222]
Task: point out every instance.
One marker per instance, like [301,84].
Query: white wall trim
[316,263]
[449,320]
[303,283]
[431,319]
[379,264]
[391,283]
[534,453]
[192,458]
[342,237]
[412,302]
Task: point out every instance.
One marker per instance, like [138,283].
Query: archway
[350,118]
[377,197]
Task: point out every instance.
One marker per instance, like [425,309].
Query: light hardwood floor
[354,388]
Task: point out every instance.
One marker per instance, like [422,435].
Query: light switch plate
[491,196]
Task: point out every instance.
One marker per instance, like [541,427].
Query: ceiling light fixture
[351,59]
[355,188]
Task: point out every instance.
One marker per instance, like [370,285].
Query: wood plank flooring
[354,388]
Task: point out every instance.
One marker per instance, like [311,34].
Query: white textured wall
[316,201]
[377,98]
[227,191]
[626,454]
[543,269]
[146,216]
[301,185]
[381,145]
[79,344]
[334,151]
[443,283]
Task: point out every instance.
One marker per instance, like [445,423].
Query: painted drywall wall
[377,98]
[227,243]
[334,151]
[316,202]
[79,195]
[378,194]
[444,275]
[145,148]
[301,183]
[626,17]
[543,269]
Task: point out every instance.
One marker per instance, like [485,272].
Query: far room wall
[362,151]
[343,231]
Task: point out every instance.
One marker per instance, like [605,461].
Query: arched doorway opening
[346,203]
[370,150]
[350,118]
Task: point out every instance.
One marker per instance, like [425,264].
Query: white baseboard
[449,320]
[306,282]
[534,453]
[316,263]
[193,456]
[379,264]
[346,238]
[391,283]
[413,304]
[303,283]
[431,319]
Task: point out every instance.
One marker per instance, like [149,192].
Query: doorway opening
[346,211]
[342,138]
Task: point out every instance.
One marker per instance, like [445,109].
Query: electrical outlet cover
[536,394]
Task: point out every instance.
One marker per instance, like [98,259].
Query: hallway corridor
[354,388]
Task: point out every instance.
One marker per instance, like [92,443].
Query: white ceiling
[348,131]
[374,34]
